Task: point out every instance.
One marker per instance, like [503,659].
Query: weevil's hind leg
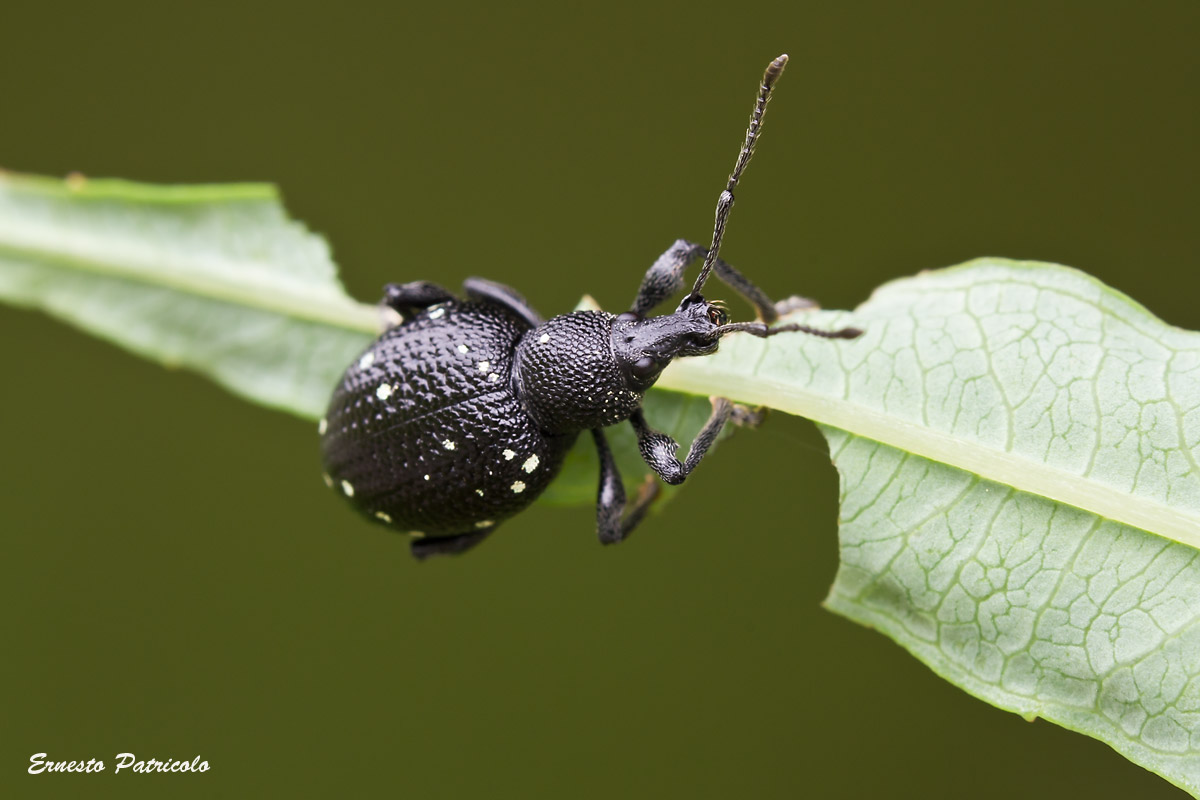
[612,523]
[492,292]
[665,278]
[408,297]
[658,449]
[447,545]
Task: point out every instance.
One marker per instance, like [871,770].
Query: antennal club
[725,201]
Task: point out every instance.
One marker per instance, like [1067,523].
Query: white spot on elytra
[484,523]
[545,337]
[426,477]
[479,492]
[509,455]
[322,426]
[449,444]
[531,463]
[347,488]
[494,377]
[518,487]
[462,348]
[383,515]
[367,360]
[384,391]
[437,313]
[484,366]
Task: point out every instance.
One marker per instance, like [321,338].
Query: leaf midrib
[280,298]
[689,375]
[998,466]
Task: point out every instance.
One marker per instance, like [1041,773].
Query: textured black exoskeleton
[460,415]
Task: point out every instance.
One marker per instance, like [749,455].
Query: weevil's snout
[644,346]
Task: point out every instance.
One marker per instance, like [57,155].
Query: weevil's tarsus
[745,416]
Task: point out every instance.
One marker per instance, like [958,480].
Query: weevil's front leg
[665,278]
[491,292]
[658,449]
[612,523]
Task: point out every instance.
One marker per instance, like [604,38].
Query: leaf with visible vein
[1009,437]
[212,278]
[1018,444]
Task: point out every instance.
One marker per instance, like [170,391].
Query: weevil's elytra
[460,415]
[440,416]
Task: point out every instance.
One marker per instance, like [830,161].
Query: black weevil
[460,415]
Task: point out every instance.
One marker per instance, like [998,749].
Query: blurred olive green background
[177,581]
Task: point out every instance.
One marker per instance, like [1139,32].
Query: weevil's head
[645,345]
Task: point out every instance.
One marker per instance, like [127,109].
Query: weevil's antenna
[725,201]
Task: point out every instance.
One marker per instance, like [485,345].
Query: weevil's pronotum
[459,416]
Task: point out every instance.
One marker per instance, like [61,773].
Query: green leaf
[1018,443]
[1010,437]
[212,278]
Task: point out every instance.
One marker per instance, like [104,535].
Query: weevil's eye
[717,315]
[643,368]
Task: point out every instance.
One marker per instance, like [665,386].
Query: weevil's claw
[747,416]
